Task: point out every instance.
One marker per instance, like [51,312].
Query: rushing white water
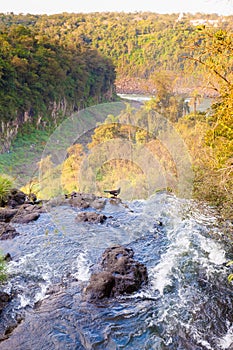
[201,105]
[83,267]
[187,303]
[135,97]
[227,340]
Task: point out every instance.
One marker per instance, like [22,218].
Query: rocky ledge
[88,205]
[17,209]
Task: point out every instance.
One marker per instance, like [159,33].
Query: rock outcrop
[15,198]
[119,274]
[17,209]
[6,214]
[27,213]
[7,231]
[90,216]
[86,200]
[4,300]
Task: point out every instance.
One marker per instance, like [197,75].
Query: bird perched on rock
[114,193]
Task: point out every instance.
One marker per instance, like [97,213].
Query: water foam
[227,340]
[83,267]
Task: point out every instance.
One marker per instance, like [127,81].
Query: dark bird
[113,192]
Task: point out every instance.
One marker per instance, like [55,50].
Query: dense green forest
[139,44]
[50,61]
[41,80]
[36,70]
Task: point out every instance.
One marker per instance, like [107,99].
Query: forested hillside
[53,65]
[139,44]
[41,80]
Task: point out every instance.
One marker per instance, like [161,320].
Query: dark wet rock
[98,203]
[23,214]
[86,200]
[54,289]
[8,325]
[6,214]
[7,257]
[92,217]
[18,209]
[115,201]
[77,200]
[4,300]
[101,285]
[8,322]
[25,218]
[7,231]
[29,208]
[15,198]
[81,200]
[27,213]
[55,202]
[120,274]
[158,226]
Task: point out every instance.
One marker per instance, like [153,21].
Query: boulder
[90,216]
[22,214]
[4,300]
[55,202]
[6,214]
[7,231]
[25,218]
[86,200]
[119,274]
[15,198]
[27,213]
[100,285]
[98,203]
[81,200]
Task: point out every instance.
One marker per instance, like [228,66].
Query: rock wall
[9,129]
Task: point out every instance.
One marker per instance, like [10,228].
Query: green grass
[3,275]
[25,152]
[6,185]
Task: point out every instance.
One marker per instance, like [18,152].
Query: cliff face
[42,79]
[56,112]
[10,128]
[8,131]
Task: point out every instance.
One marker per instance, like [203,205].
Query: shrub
[6,185]
[2,269]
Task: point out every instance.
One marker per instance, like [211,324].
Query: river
[202,104]
[187,303]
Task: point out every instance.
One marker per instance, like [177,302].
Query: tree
[71,167]
[215,172]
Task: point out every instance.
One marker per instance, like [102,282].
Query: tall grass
[6,185]
[2,269]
